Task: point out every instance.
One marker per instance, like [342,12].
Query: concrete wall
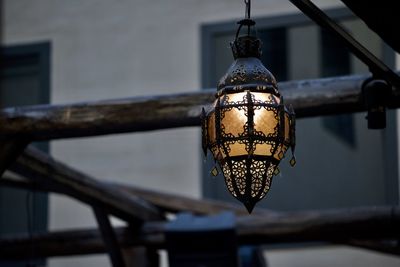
[109,49]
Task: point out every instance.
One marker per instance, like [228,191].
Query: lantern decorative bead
[214,171]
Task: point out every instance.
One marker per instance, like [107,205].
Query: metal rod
[376,66]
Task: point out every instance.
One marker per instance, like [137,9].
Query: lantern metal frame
[248,87]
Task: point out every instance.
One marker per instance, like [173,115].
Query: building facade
[114,49]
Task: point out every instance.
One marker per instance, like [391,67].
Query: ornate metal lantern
[248,129]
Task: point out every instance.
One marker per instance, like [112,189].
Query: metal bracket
[375,90]
[376,94]
[376,66]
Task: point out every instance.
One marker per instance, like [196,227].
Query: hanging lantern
[248,129]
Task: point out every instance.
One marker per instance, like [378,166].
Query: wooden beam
[109,238]
[336,226]
[390,247]
[7,181]
[42,168]
[103,117]
[164,201]
[61,243]
[328,225]
[174,203]
[10,149]
[309,98]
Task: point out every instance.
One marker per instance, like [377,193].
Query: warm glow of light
[234,121]
[248,129]
[265,121]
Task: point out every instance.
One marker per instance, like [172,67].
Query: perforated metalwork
[248,129]
[248,134]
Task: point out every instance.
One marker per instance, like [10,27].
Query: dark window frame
[25,59]
[41,51]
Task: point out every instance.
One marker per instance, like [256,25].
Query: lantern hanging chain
[248,8]
[247,13]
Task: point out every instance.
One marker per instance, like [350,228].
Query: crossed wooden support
[144,210]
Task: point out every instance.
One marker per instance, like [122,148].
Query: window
[24,80]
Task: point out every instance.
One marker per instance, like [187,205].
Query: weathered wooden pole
[166,202]
[43,169]
[309,98]
[341,226]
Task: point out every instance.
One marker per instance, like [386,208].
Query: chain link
[248,8]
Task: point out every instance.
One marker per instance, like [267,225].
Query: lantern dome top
[246,46]
[247,71]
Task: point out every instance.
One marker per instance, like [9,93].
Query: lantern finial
[249,206]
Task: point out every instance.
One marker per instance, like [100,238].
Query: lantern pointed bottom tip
[249,206]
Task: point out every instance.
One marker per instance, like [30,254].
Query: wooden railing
[144,210]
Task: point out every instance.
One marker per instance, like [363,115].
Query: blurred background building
[73,51]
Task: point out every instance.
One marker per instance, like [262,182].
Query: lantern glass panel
[287,128]
[233,121]
[265,121]
[235,98]
[211,128]
[237,149]
[266,98]
[263,149]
